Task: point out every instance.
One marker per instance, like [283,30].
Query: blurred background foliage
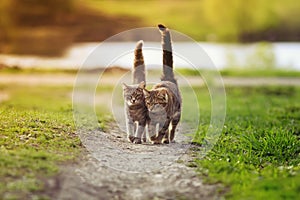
[217,20]
[47,27]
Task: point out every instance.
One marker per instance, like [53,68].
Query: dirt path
[117,169]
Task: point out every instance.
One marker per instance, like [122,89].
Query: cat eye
[148,102]
[162,97]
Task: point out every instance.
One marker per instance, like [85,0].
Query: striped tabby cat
[163,101]
[136,113]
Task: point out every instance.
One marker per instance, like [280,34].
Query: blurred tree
[230,19]
[42,23]
[5,21]
[37,12]
[29,26]
[49,27]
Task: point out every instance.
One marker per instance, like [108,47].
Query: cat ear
[146,92]
[124,85]
[142,85]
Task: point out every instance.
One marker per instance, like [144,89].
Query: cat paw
[156,142]
[153,138]
[166,141]
[130,138]
[144,139]
[137,141]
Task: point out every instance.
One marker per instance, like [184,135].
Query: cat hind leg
[174,124]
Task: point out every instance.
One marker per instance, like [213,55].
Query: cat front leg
[162,132]
[153,132]
[166,138]
[144,136]
[163,135]
[138,134]
[130,131]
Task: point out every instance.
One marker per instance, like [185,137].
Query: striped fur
[138,74]
[163,101]
[136,113]
[168,74]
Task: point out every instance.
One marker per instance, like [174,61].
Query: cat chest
[138,114]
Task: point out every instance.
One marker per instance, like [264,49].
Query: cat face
[156,100]
[133,94]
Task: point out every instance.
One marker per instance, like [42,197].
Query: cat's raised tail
[138,74]
[168,74]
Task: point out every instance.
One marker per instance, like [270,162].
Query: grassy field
[37,134]
[226,72]
[231,72]
[257,155]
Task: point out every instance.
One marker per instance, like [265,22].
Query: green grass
[37,134]
[30,71]
[231,72]
[259,73]
[258,153]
